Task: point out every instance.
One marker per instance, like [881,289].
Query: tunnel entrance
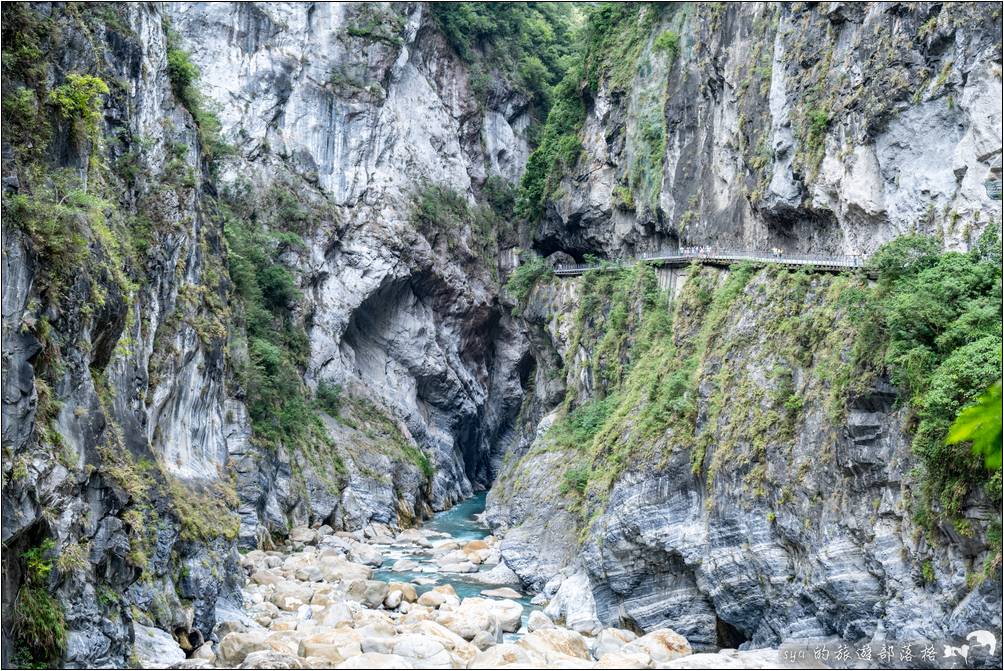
[728,636]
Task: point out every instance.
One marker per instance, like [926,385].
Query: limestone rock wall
[813,128]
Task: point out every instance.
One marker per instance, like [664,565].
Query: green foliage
[927,571]
[819,121]
[375,24]
[328,397]
[182,72]
[79,100]
[184,75]
[376,423]
[558,151]
[277,399]
[439,208]
[980,424]
[576,479]
[523,279]
[38,627]
[56,231]
[443,215]
[577,429]
[24,32]
[904,256]
[205,513]
[668,42]
[934,324]
[614,35]
[531,39]
[608,47]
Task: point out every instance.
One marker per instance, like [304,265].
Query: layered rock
[773,504]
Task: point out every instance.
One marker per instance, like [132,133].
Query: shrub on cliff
[523,278]
[934,324]
[38,627]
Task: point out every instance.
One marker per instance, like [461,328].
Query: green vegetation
[277,398]
[608,46]
[184,76]
[328,397]
[376,424]
[934,324]
[376,24]
[524,278]
[79,100]
[531,39]
[205,513]
[931,324]
[558,151]
[613,37]
[439,208]
[668,43]
[443,215]
[38,627]
[980,424]
[581,425]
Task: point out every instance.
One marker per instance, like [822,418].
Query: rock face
[730,529]
[126,410]
[806,128]
[253,295]
[410,321]
[801,127]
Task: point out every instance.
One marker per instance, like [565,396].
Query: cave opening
[728,636]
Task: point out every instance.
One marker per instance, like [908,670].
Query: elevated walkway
[722,257]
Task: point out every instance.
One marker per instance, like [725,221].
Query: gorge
[273,268]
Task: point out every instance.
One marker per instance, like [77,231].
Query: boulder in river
[501,593]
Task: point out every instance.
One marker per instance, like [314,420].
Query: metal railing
[709,255]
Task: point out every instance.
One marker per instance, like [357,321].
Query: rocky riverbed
[432,597]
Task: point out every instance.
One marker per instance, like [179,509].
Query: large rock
[537,620]
[611,640]
[365,554]
[622,660]
[408,592]
[556,641]
[237,645]
[460,650]
[573,604]
[377,638]
[289,595]
[413,537]
[439,595]
[423,652]
[336,569]
[501,593]
[402,565]
[376,660]
[300,536]
[508,655]
[662,645]
[155,648]
[270,659]
[369,592]
[334,645]
[508,613]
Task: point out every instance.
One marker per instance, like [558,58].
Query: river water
[459,523]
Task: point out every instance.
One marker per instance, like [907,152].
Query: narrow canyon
[470,335]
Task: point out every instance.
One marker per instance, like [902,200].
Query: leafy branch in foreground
[980,424]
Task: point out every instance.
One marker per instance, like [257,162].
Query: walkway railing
[687,256]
